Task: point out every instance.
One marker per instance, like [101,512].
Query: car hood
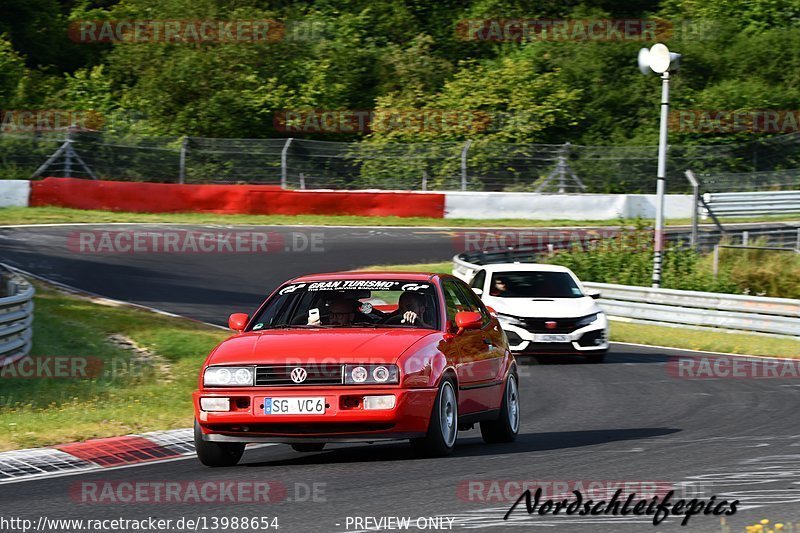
[544,308]
[321,346]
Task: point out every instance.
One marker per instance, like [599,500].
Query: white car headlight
[510,320]
[585,321]
[228,376]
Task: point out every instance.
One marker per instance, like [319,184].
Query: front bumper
[341,422]
[586,340]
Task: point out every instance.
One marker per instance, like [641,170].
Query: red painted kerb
[229,199]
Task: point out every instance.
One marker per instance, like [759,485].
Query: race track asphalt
[628,420]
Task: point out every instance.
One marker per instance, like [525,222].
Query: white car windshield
[340,303]
[534,285]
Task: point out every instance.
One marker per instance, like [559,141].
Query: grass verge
[55,215]
[690,339]
[147,367]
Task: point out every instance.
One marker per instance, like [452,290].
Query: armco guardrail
[751,203]
[774,316]
[16,316]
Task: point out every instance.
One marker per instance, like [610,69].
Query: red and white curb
[96,454]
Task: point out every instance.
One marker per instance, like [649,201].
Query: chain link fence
[771,164]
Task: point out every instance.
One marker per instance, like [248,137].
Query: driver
[500,288]
[411,309]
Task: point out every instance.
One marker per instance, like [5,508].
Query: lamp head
[658,59]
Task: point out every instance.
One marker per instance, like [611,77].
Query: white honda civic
[544,309]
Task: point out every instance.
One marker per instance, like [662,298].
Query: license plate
[294,406]
[552,338]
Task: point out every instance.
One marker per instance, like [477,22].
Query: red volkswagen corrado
[358,357]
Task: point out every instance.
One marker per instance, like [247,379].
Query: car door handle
[487,341]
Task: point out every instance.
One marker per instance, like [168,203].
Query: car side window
[454,300]
[475,303]
[479,279]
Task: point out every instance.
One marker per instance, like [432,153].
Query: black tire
[506,427]
[596,357]
[216,454]
[308,447]
[443,426]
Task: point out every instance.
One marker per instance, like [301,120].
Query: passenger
[342,311]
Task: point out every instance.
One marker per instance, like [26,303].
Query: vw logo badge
[298,375]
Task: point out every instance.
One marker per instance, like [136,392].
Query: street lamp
[659,59]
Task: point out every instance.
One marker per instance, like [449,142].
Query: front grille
[537,325]
[549,347]
[280,375]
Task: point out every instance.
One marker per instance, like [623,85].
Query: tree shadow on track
[651,356]
[470,447]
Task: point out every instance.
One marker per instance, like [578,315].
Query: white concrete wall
[483,205]
[14,193]
[644,205]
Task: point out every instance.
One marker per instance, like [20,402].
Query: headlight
[380,374]
[510,320]
[228,376]
[585,321]
[371,374]
[359,374]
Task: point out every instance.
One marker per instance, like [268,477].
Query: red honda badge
[551,324]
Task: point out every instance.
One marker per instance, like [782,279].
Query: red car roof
[378,274]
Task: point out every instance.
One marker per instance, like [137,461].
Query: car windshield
[534,285]
[351,303]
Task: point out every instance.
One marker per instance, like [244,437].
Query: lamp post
[659,59]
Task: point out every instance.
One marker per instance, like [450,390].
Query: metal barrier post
[182,167]
[68,155]
[716,260]
[284,154]
[695,206]
[464,164]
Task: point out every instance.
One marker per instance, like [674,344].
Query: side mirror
[237,321]
[595,295]
[477,291]
[491,311]
[468,320]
